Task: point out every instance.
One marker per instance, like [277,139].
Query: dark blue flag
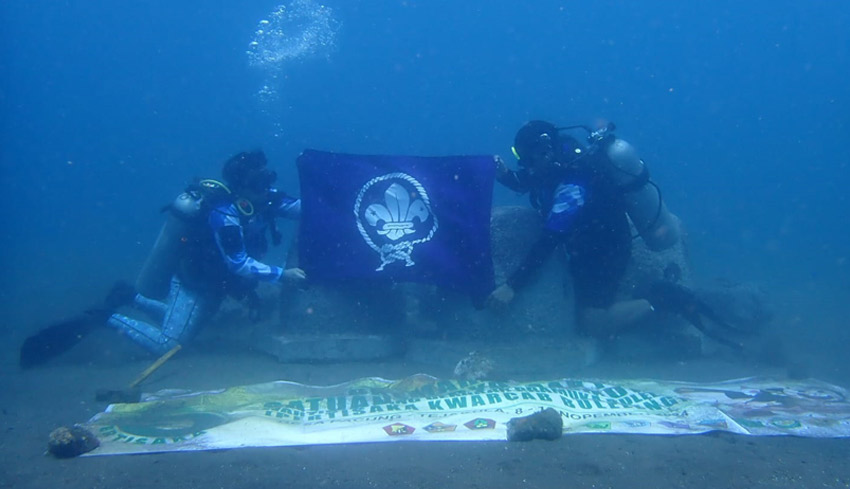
[400,218]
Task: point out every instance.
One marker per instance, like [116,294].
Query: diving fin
[60,337]
[675,298]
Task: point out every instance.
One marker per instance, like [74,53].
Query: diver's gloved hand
[121,294]
[501,167]
[294,275]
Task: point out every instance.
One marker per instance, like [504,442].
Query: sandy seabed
[36,401]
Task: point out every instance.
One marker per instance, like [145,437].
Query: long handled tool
[154,366]
[132,393]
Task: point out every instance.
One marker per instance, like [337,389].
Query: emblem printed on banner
[398,429]
[480,424]
[393,213]
[440,427]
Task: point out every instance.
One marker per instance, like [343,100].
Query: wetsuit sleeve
[514,180]
[535,258]
[568,202]
[230,241]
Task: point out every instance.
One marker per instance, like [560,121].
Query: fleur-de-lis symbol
[397,214]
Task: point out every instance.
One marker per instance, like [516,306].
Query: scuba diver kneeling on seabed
[587,194]
[209,248]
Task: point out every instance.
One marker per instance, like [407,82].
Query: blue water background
[740,108]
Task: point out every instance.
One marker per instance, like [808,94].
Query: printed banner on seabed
[423,408]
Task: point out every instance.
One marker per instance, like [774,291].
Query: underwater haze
[109,108]
[739,108]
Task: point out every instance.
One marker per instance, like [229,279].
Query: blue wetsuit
[240,239]
[224,260]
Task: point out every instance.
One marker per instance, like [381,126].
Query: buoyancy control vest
[184,229]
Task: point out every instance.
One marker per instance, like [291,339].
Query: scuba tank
[154,279]
[658,227]
[619,164]
[655,224]
[186,211]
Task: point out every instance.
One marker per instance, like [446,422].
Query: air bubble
[298,30]
[294,31]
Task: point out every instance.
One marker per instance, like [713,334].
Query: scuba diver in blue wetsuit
[590,196]
[210,247]
[587,195]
